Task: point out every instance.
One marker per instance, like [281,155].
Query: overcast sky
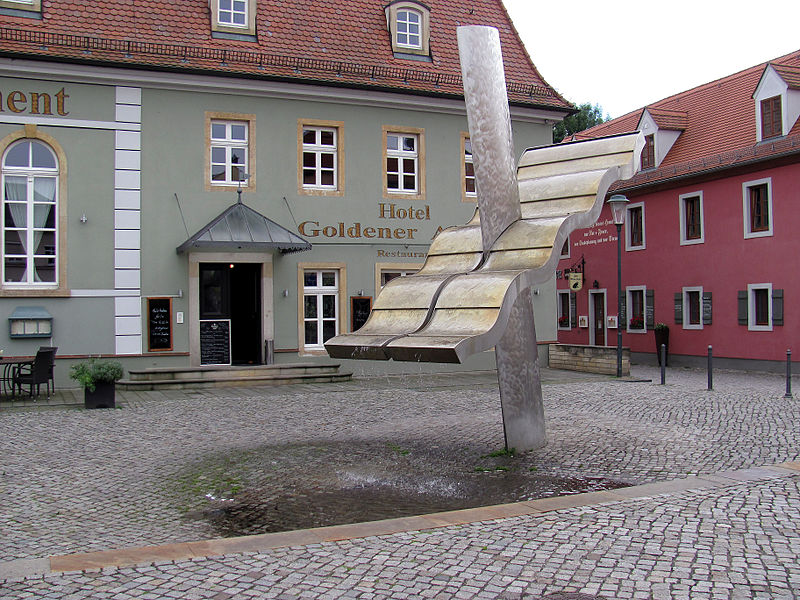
[625,54]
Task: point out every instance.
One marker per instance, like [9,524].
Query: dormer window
[21,8]
[233,19]
[661,129]
[649,152]
[409,25]
[777,101]
[771,120]
[409,28]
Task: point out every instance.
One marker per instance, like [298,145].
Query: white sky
[625,54]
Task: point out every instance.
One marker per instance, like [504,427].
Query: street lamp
[617,202]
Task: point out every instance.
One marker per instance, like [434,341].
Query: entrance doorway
[597,317]
[232,291]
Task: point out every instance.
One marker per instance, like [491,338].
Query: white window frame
[31,173]
[628,246]
[318,150]
[628,303]
[685,296]
[407,23]
[233,11]
[467,159]
[748,234]
[228,143]
[751,306]
[402,156]
[319,291]
[683,219]
[559,307]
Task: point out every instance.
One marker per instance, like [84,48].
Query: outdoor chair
[39,371]
[52,380]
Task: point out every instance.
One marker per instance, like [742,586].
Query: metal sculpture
[473,291]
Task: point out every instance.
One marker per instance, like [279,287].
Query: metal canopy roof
[240,228]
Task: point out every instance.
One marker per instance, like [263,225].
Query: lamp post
[617,202]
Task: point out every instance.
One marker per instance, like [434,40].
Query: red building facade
[710,244]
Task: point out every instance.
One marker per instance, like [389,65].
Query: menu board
[159,324]
[215,342]
[359,311]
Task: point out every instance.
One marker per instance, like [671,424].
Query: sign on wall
[159,324]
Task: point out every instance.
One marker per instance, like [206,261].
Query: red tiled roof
[790,74]
[719,129]
[344,42]
[669,119]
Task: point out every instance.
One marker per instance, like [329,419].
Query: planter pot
[662,337]
[102,397]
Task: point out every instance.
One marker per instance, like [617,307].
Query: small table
[10,368]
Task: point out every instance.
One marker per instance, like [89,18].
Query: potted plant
[98,379]
[563,321]
[636,322]
[662,337]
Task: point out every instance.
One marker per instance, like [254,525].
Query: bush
[90,373]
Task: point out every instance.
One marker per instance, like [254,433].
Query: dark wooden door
[599,322]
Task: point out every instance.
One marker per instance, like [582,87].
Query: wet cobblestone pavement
[76,481]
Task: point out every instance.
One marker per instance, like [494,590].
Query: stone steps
[215,376]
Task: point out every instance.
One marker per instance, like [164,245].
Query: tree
[587,116]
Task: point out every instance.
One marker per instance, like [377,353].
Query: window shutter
[573,309]
[777,307]
[650,310]
[623,311]
[678,308]
[742,305]
[706,308]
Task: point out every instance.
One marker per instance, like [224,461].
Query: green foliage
[503,452]
[93,371]
[662,327]
[586,117]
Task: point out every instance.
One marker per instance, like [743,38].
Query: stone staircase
[162,378]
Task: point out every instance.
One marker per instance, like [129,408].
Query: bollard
[663,363]
[710,370]
[788,393]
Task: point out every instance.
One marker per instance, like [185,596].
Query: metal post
[788,393]
[619,300]
[663,364]
[710,370]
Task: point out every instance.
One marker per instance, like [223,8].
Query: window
[635,227]
[636,311]
[564,310]
[233,19]
[404,163]
[691,218]
[468,191]
[565,249]
[320,307]
[409,28]
[757,208]
[21,8]
[771,118]
[230,152]
[649,152]
[385,272]
[30,215]
[320,159]
[691,310]
[760,307]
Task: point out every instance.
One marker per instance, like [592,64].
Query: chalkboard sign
[359,311]
[215,342]
[159,324]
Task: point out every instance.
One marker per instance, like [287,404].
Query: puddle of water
[283,488]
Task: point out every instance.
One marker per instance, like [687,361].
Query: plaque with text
[159,324]
[215,342]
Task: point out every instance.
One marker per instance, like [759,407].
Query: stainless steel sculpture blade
[489,130]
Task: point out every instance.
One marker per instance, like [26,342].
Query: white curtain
[16,195]
[44,191]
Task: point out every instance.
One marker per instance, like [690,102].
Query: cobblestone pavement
[75,481]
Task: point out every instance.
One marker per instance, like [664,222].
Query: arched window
[30,214]
[409,28]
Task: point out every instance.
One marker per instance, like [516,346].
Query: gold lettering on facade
[40,103]
[313,229]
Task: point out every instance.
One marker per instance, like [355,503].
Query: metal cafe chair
[35,373]
[52,380]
